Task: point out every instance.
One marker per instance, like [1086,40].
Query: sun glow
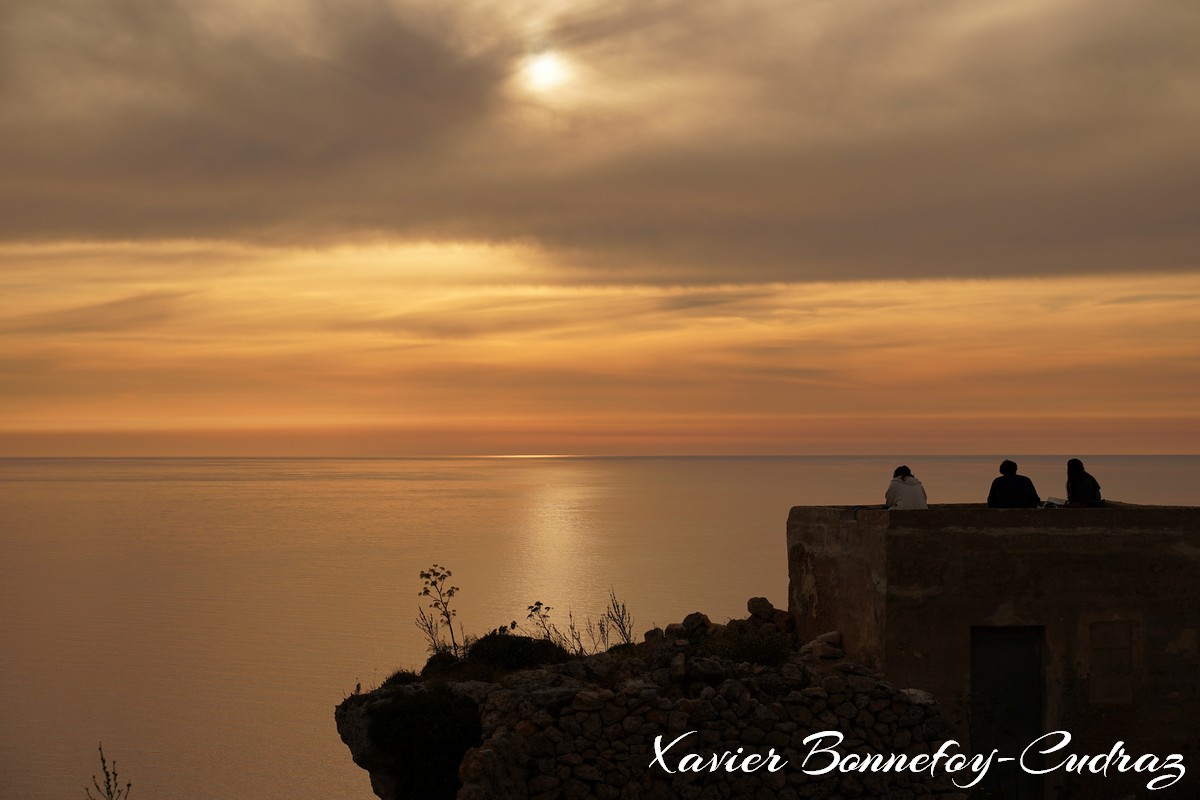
[545,71]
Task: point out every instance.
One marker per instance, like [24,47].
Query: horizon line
[593,456]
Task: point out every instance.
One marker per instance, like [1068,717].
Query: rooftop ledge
[1116,516]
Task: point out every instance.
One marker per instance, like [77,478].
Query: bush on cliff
[428,733]
[509,652]
[442,664]
[493,655]
[401,677]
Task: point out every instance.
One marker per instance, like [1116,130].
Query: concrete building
[1021,622]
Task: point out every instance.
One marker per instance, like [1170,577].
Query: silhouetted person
[1082,489]
[905,491]
[1011,490]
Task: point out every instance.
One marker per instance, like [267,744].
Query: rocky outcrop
[684,715]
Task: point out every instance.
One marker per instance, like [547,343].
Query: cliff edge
[682,715]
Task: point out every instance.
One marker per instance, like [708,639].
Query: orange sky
[880,227]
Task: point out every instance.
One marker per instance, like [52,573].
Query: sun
[545,71]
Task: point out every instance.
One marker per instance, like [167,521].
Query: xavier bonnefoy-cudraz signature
[1049,753]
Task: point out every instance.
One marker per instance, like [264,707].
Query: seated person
[905,491]
[1011,490]
[1083,491]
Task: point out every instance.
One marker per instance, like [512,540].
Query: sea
[201,617]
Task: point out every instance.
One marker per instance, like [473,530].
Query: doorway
[1006,706]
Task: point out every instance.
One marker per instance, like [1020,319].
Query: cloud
[700,142]
[134,118]
[328,348]
[126,314]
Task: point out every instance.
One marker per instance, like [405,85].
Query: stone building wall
[1110,598]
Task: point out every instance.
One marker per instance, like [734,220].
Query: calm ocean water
[202,617]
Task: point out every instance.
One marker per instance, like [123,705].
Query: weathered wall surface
[837,576]
[1116,592]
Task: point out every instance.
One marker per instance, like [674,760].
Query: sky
[393,227]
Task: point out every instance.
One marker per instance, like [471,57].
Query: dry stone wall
[668,719]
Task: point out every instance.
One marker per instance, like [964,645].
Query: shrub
[401,677]
[510,652]
[441,664]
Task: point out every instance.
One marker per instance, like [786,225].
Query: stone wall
[588,728]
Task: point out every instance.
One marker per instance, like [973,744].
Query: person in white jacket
[905,491]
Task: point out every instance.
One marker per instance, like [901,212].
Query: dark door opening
[1006,706]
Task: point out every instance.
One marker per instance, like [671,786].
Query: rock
[696,624]
[761,608]
[920,697]
[679,667]
[834,684]
[860,684]
[846,711]
[543,783]
[833,637]
[588,772]
[706,670]
[819,649]
[589,701]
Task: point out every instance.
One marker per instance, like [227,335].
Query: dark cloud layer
[700,142]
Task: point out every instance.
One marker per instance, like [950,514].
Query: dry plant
[582,639]
[112,789]
[617,617]
[435,588]
[615,620]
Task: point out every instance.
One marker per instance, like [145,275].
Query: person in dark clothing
[1083,491]
[1011,490]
